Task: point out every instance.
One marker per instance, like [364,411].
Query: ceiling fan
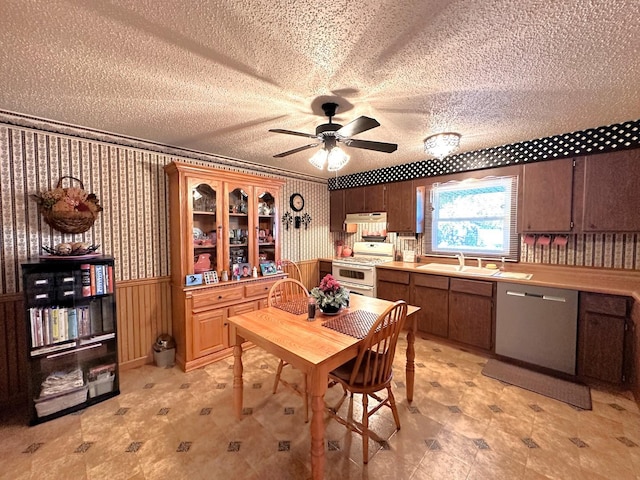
[329,134]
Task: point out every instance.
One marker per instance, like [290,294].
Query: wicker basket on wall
[68,209]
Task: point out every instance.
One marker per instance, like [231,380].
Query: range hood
[376,217]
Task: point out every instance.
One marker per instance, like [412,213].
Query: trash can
[164,351]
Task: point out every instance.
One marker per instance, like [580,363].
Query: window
[475,217]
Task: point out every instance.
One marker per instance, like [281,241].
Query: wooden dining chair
[284,291]
[371,372]
[291,268]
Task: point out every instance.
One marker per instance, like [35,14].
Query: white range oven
[358,273]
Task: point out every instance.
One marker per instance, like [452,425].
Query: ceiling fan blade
[368,145]
[296,150]
[359,125]
[291,132]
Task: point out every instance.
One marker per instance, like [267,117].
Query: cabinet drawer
[393,276]
[474,287]
[242,308]
[607,304]
[432,281]
[256,289]
[215,296]
[37,282]
[68,285]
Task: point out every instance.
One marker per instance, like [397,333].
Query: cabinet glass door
[267,228]
[206,225]
[239,211]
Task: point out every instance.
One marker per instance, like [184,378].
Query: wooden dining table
[315,348]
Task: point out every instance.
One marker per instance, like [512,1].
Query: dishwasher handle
[551,298]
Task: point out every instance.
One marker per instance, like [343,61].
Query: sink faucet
[460,257]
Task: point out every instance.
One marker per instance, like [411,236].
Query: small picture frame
[194,279]
[210,277]
[268,268]
[245,270]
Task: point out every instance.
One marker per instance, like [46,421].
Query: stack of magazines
[61,382]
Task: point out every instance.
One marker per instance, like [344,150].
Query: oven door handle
[354,267]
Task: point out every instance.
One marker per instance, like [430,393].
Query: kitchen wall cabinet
[601,337]
[471,312]
[431,294]
[546,197]
[368,199]
[336,211]
[354,200]
[218,219]
[401,207]
[611,194]
[375,199]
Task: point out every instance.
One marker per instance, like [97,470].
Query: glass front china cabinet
[227,223]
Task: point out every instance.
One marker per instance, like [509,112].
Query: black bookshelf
[70,319]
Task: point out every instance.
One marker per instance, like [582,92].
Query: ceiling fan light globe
[318,159]
[336,159]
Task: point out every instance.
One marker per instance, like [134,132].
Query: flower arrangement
[69,200]
[330,293]
[69,210]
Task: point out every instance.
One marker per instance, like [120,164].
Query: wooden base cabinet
[393,285]
[471,312]
[431,294]
[325,268]
[203,336]
[452,308]
[601,337]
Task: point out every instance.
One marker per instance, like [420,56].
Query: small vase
[339,251]
[330,309]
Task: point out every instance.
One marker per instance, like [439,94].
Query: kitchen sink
[466,270]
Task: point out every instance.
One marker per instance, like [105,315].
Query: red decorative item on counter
[346,251]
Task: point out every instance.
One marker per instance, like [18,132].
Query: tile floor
[167,424]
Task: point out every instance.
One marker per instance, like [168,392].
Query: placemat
[355,324]
[297,307]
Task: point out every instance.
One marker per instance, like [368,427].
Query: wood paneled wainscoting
[144,312]
[13,350]
[309,270]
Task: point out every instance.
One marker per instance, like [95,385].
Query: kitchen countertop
[586,279]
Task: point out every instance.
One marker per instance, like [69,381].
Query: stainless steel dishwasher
[537,325]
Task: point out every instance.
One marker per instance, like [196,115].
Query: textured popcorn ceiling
[214,76]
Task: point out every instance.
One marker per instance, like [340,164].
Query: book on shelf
[92,277]
[72,319]
[85,278]
[99,279]
[110,278]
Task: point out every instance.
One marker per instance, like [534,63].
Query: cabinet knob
[219,297]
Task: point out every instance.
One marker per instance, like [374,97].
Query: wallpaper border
[619,136]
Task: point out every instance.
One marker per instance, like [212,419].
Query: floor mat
[568,392]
